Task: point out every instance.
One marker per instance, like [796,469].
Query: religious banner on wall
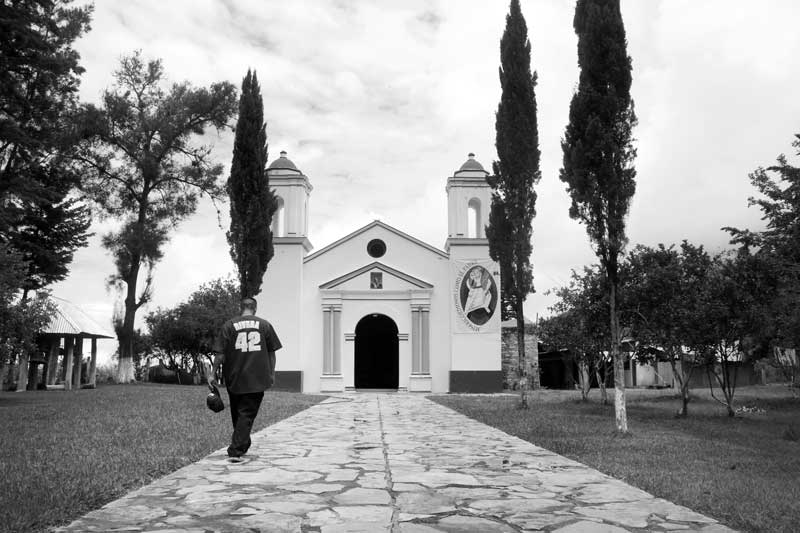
[476,297]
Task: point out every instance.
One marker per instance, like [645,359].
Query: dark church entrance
[377,355]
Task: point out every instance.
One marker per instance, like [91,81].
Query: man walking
[245,347]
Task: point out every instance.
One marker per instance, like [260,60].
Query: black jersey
[249,344]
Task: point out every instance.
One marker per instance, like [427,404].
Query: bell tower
[475,361]
[468,203]
[293,190]
[281,296]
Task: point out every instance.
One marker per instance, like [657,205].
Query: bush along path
[391,462]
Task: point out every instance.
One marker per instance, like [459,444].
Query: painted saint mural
[478,295]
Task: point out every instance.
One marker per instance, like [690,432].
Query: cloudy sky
[379,102]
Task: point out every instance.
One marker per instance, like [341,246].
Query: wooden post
[52,360]
[68,345]
[33,374]
[78,364]
[22,377]
[93,364]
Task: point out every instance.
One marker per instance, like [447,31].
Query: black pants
[244,408]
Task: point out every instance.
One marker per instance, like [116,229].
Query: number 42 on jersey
[248,341]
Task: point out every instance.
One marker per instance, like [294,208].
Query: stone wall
[510,356]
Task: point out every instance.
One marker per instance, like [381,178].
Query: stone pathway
[390,462]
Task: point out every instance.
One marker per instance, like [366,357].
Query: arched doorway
[377,354]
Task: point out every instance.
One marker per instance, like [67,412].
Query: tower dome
[283,163]
[471,165]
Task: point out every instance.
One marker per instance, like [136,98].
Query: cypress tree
[514,175]
[598,153]
[252,201]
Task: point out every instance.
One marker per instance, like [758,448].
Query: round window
[376,248]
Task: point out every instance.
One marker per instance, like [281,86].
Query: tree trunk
[728,387]
[125,373]
[583,379]
[523,362]
[620,411]
[601,380]
[682,383]
[683,377]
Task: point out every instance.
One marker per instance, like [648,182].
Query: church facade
[378,308]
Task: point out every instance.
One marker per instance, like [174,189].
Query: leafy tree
[598,154]
[47,235]
[664,288]
[12,273]
[779,201]
[144,171]
[39,79]
[169,337]
[20,321]
[185,334]
[580,326]
[733,303]
[515,173]
[252,201]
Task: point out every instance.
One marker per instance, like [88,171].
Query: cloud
[378,103]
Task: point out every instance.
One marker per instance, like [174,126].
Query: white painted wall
[279,302]
[402,254]
[292,300]
[475,351]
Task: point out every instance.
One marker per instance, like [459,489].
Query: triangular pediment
[394,278]
[382,226]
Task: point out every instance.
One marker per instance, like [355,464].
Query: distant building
[378,308]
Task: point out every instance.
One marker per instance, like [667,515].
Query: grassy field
[63,454]
[743,471]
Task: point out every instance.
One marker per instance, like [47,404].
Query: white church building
[378,308]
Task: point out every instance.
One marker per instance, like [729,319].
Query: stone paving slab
[389,462]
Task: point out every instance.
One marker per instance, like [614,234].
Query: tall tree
[145,172]
[779,201]
[252,201]
[39,79]
[515,173]
[598,153]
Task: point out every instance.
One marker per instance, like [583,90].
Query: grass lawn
[743,471]
[63,454]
